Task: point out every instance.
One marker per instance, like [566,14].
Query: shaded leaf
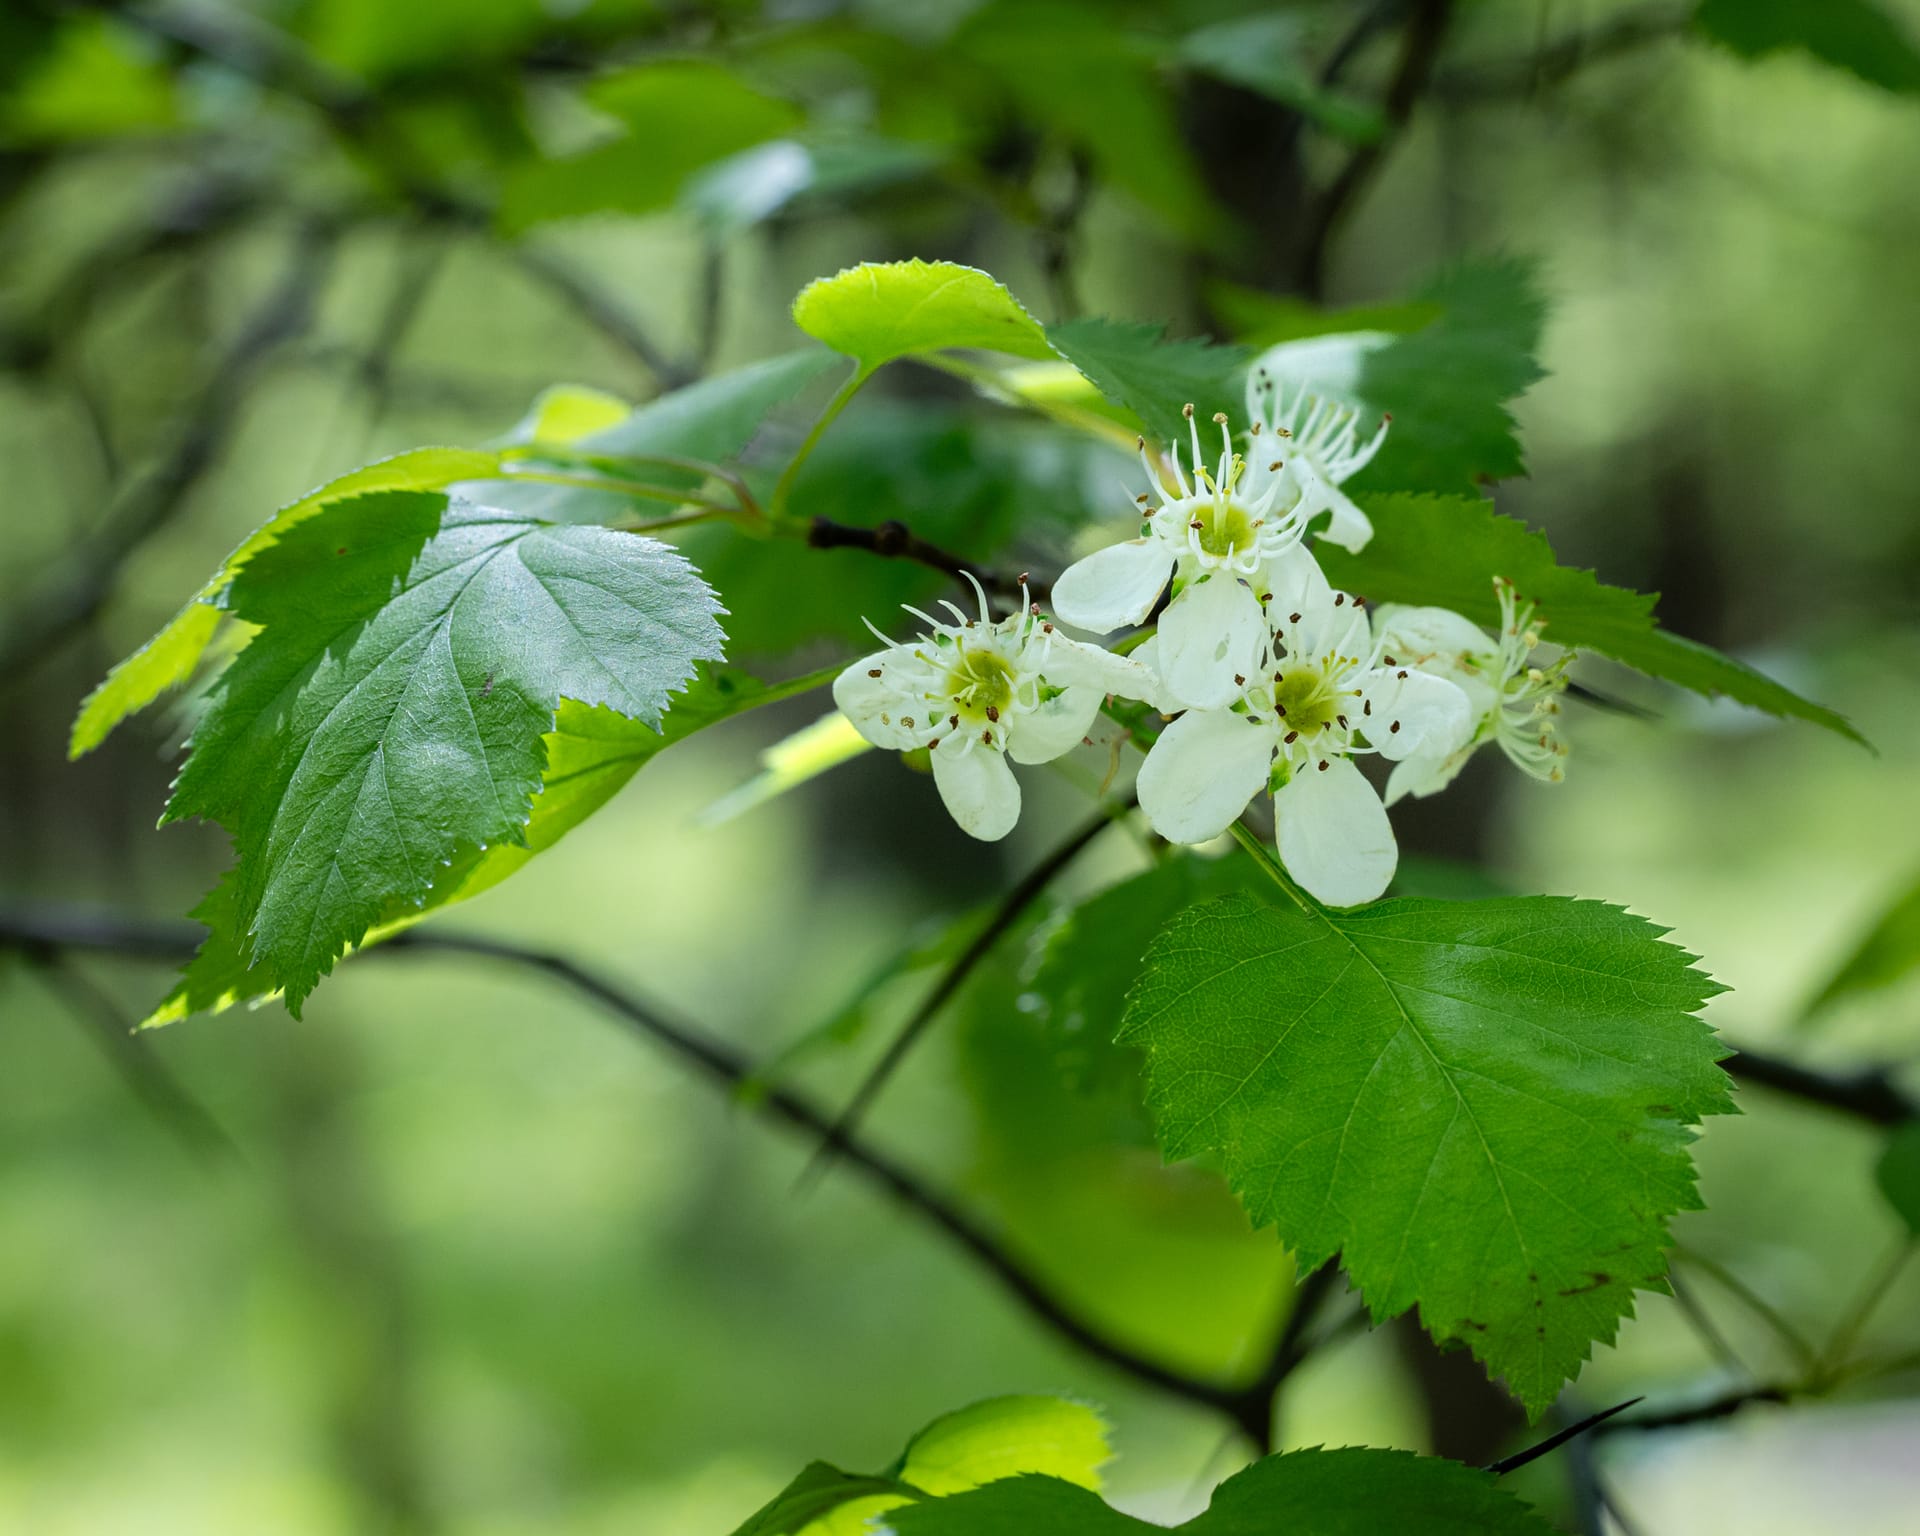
[1154,378]
[1485,1107]
[1446,550]
[1855,35]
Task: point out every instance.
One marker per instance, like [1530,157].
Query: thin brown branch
[1868,1094]
[1564,57]
[893,540]
[54,930]
[1005,915]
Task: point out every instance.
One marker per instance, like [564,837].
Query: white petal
[1425,775]
[979,789]
[876,705]
[1210,634]
[1297,583]
[1422,632]
[1334,835]
[1329,365]
[1113,587]
[1350,527]
[1202,772]
[1055,728]
[1432,715]
[1074,664]
[1147,654]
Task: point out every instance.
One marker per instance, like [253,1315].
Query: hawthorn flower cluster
[1269,678]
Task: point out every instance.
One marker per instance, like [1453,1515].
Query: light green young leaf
[590,755]
[879,311]
[1347,1492]
[1898,1174]
[1889,952]
[680,115]
[1003,1437]
[1485,1107]
[1007,1437]
[168,659]
[1446,550]
[391,712]
[1855,35]
[564,413]
[1154,378]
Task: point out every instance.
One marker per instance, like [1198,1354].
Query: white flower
[1514,702]
[1322,694]
[1326,452]
[1230,534]
[978,692]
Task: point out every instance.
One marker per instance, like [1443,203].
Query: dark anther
[873,671]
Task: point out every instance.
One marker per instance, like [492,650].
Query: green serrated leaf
[1091,957]
[1346,1492]
[1485,1107]
[1447,385]
[1889,952]
[1446,550]
[391,712]
[1855,35]
[1154,378]
[879,311]
[1898,1174]
[590,755]
[168,659]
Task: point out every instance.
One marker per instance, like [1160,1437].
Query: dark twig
[70,599]
[1722,1407]
[1426,31]
[1005,915]
[719,1061]
[1553,1442]
[1870,1094]
[893,540]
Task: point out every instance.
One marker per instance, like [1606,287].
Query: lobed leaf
[1484,1106]
[1445,550]
[391,712]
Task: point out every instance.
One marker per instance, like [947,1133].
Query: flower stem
[1256,845]
[777,509]
[621,488]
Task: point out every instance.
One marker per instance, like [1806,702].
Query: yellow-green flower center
[1225,530]
[1306,699]
[981,683]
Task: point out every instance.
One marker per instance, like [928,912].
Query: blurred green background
[478,1262]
